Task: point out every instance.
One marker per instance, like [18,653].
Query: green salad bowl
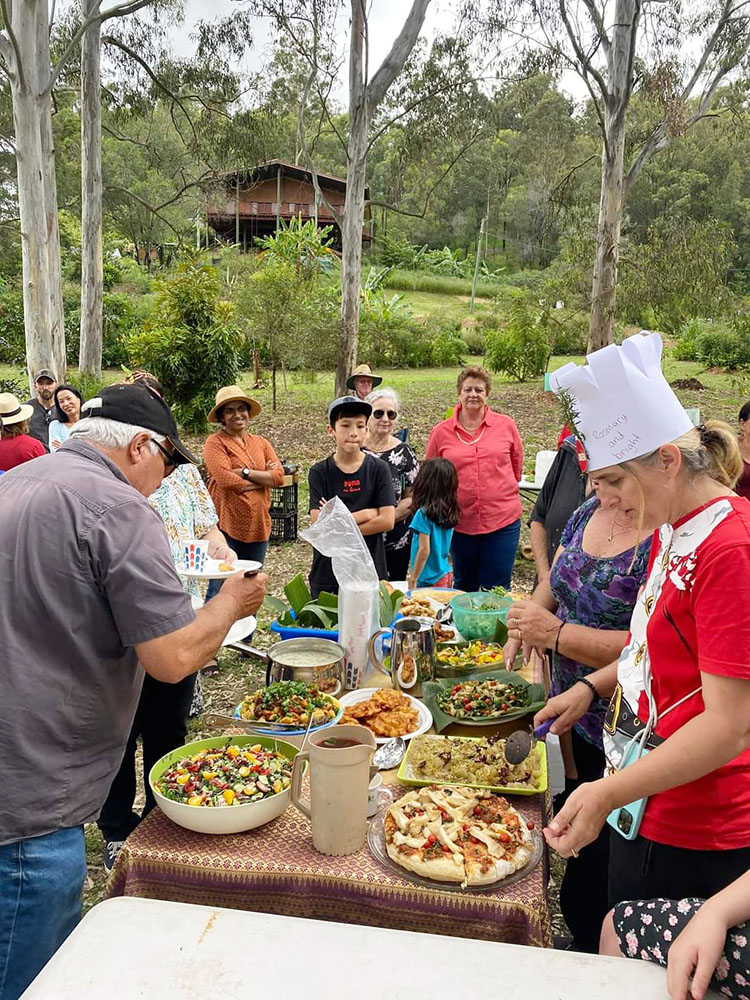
[228,819]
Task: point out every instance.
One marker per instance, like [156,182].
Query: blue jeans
[481,562]
[41,879]
[245,550]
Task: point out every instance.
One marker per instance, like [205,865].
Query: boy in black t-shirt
[361,481]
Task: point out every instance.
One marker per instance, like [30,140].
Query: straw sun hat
[12,411]
[363,371]
[233,394]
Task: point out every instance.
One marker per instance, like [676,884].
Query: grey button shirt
[85,574]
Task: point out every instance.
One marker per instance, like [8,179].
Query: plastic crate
[283,527]
[284,500]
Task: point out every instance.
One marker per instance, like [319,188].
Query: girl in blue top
[435,500]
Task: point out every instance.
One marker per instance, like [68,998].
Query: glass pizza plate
[376,843]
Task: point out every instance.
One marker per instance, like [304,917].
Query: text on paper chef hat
[624,408]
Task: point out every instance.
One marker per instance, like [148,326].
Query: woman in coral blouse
[242,468]
[486,449]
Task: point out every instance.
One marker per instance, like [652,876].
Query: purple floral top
[593,591]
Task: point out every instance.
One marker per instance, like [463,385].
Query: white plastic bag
[336,534]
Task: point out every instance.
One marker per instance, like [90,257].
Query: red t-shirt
[701,622]
[16,450]
[489,465]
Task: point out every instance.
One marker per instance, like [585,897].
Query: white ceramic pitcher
[339,779]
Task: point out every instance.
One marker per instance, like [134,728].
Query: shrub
[475,339]
[12,334]
[190,342]
[568,336]
[686,348]
[722,347]
[15,385]
[88,385]
[397,341]
[522,349]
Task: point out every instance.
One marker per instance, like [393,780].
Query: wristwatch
[246,473]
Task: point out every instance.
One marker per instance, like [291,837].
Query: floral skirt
[646,929]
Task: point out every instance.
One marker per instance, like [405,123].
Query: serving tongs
[519,744]
[248,725]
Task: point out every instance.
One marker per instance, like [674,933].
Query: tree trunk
[602,319]
[364,98]
[92,264]
[37,197]
[354,202]
[611,201]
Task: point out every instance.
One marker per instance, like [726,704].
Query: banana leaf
[313,616]
[432,689]
[275,604]
[330,602]
[501,632]
[297,593]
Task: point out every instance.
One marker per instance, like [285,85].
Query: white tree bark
[25,48]
[92,265]
[620,55]
[364,99]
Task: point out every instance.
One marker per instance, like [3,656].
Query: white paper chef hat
[624,406]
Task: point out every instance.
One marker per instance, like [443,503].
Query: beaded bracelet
[590,686]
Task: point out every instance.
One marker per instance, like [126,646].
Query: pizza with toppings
[464,835]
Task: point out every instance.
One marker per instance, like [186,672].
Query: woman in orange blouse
[242,468]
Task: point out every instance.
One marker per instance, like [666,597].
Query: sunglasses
[379,414]
[169,463]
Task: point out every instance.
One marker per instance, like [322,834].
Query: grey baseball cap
[45,373]
[351,403]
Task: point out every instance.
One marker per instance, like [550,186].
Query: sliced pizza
[457,834]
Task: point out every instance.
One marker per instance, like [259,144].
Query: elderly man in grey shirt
[90,599]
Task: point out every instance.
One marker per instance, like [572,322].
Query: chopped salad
[483,699]
[473,654]
[291,703]
[226,776]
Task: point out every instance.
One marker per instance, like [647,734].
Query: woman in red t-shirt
[684,677]
[16,445]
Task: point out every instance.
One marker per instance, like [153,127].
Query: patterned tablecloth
[275,869]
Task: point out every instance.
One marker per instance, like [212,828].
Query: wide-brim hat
[12,410]
[363,371]
[233,394]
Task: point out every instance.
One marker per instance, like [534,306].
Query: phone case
[627,819]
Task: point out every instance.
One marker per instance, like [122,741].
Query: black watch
[246,473]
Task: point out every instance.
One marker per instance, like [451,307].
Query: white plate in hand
[241,628]
[424,718]
[211,569]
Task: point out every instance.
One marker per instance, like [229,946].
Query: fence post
[476,266]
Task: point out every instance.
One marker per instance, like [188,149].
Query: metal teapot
[412,653]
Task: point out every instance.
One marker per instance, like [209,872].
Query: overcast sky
[385,19]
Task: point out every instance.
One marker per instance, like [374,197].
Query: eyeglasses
[379,414]
[169,463]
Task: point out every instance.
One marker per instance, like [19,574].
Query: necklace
[622,531]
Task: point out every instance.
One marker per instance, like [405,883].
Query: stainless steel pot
[296,660]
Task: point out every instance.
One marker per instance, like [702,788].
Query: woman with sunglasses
[403,466]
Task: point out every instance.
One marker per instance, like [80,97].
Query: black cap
[353,404]
[137,404]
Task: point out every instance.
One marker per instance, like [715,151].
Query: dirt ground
[297,431]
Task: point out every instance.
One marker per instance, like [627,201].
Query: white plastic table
[154,950]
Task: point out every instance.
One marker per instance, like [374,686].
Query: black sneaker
[111,849]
